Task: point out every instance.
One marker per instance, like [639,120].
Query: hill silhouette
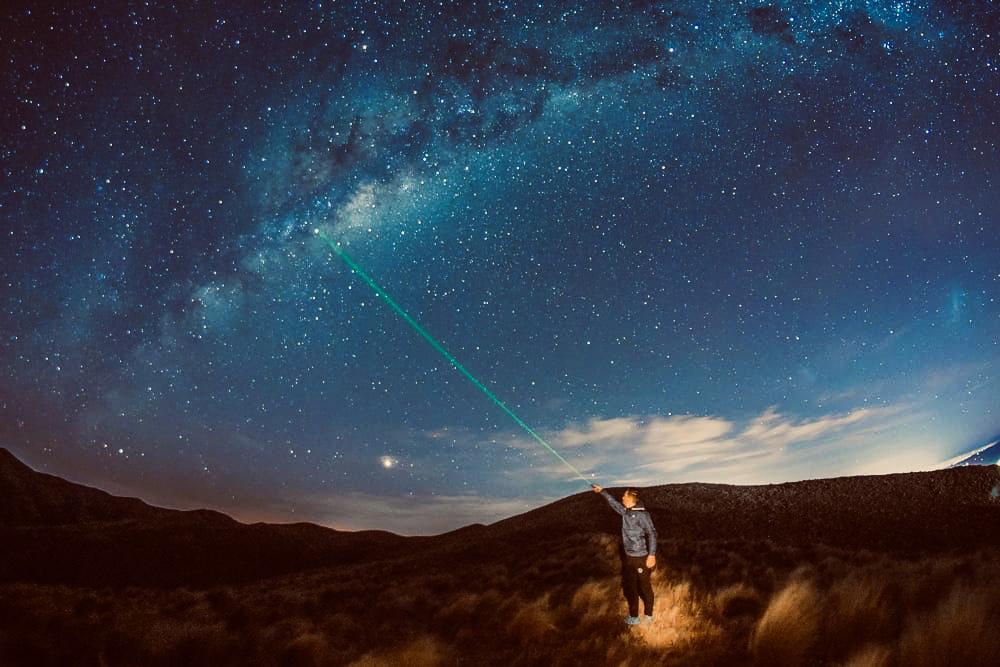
[56,531]
[61,532]
[897,569]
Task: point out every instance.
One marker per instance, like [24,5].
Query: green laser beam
[440,348]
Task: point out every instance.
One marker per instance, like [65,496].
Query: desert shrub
[469,604]
[857,611]
[461,618]
[789,626]
[338,625]
[425,651]
[533,621]
[462,605]
[308,649]
[549,607]
[961,630]
[738,600]
[197,645]
[592,599]
[418,602]
[683,618]
[494,576]
[870,656]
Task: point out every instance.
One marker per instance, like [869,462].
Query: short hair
[632,492]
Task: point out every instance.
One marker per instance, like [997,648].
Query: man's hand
[597,489]
[651,560]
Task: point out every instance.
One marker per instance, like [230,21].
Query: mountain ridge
[108,540]
[57,531]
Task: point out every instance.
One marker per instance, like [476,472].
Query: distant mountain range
[988,454]
[55,531]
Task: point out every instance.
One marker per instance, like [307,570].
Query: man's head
[630,498]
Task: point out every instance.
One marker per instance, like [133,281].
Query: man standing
[639,541]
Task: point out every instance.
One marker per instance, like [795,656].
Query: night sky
[684,241]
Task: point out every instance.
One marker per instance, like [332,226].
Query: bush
[962,630]
[789,626]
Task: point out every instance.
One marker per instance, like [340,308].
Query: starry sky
[683,241]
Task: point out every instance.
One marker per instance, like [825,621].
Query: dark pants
[636,584]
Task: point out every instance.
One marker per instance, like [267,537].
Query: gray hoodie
[637,527]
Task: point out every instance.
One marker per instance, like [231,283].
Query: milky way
[723,242]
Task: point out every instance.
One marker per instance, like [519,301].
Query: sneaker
[631,620]
[647,619]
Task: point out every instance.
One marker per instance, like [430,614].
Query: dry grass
[422,652]
[960,630]
[716,603]
[789,626]
[871,656]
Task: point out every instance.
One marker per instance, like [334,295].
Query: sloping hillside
[55,531]
[60,532]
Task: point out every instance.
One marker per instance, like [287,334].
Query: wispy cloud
[658,449]
[776,430]
[640,450]
[629,450]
